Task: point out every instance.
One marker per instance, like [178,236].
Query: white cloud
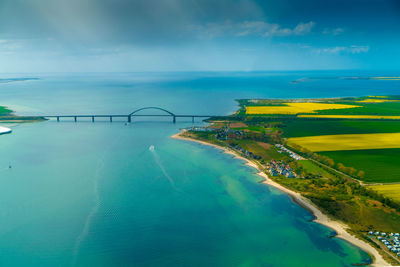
[353,49]
[334,31]
[303,28]
[250,28]
[359,49]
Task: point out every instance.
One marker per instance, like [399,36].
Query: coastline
[321,218]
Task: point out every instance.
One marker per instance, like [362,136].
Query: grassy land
[385,108]
[259,149]
[379,165]
[344,202]
[356,117]
[312,167]
[300,127]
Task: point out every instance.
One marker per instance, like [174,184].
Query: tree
[340,167]
[361,174]
[351,170]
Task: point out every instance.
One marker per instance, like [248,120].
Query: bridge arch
[140,109]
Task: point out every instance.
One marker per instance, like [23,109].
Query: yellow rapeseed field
[351,117]
[295,108]
[389,190]
[348,141]
[374,100]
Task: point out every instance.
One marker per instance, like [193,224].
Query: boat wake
[93,211]
[161,166]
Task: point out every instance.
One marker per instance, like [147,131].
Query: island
[337,157]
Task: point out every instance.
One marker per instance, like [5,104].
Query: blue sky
[198,35]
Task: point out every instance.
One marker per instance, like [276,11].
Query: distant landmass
[346,78]
[10,80]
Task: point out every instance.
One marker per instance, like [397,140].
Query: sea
[126,194]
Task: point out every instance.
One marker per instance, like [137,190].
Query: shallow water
[110,194]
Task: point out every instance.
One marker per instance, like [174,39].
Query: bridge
[130,115]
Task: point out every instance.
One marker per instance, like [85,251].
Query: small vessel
[151,148]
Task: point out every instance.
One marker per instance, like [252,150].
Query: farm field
[300,128]
[379,165]
[389,190]
[348,141]
[380,109]
[365,117]
[376,100]
[312,167]
[295,108]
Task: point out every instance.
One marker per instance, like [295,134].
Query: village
[391,241]
[245,152]
[280,168]
[275,168]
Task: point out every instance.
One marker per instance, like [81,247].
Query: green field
[312,167]
[301,128]
[385,108]
[266,154]
[379,165]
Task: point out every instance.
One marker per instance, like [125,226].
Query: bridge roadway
[129,116]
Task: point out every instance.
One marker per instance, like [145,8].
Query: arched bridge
[140,109]
[134,113]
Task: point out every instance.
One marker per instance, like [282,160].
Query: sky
[198,35]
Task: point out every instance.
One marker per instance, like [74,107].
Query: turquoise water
[98,194]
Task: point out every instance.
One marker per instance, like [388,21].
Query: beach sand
[320,217]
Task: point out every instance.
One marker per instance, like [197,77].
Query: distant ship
[151,148]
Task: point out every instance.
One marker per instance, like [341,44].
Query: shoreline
[319,216]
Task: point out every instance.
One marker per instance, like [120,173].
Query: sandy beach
[320,217]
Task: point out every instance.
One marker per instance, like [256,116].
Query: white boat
[5,130]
